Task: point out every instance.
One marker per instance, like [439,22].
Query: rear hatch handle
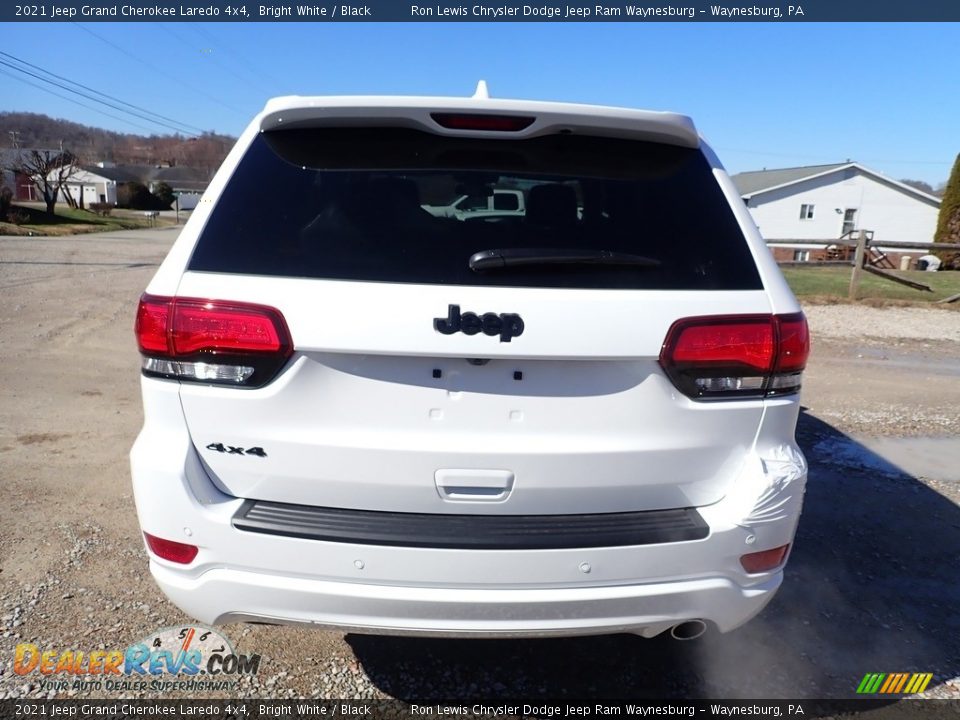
[474,485]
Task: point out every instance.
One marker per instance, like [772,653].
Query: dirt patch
[857,322]
[43,437]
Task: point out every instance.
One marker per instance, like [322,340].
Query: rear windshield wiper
[513,257]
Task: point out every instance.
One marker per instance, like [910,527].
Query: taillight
[764,560]
[736,355]
[211,341]
[153,317]
[171,550]
[497,123]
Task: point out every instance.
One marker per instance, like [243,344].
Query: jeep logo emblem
[506,325]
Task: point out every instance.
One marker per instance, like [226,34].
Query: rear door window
[386,205]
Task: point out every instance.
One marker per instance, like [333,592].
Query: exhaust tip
[689,630]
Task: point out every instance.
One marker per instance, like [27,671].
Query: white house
[821,203]
[93,188]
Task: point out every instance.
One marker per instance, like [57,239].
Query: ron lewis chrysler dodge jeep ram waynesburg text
[574,416]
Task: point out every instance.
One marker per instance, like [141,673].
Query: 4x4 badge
[234,450]
[506,325]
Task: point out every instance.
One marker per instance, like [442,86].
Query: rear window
[399,205]
[506,201]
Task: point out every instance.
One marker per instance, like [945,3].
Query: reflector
[170,550]
[764,560]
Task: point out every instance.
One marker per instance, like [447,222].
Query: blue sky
[764,95]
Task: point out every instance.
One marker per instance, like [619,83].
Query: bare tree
[49,170]
[920,185]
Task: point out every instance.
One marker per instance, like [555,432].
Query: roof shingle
[754,181]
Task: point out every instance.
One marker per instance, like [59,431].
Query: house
[23,187]
[98,183]
[87,187]
[187,183]
[802,211]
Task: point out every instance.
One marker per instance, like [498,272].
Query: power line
[273,79]
[100,92]
[96,99]
[209,56]
[76,102]
[155,68]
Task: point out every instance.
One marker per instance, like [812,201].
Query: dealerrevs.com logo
[192,657]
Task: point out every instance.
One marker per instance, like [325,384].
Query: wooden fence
[861,244]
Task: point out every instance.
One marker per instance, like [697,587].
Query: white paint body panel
[643,589]
[358,420]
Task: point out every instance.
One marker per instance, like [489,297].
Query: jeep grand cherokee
[579,419]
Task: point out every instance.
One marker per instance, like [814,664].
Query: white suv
[575,421]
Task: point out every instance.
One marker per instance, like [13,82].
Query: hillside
[93,145]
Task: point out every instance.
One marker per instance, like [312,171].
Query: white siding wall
[892,213]
[110,190]
[189,201]
[93,187]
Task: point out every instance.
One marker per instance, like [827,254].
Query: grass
[67,221]
[829,284]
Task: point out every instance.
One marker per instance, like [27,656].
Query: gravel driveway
[871,586]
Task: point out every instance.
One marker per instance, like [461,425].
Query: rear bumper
[644,588]
[471,532]
[224,595]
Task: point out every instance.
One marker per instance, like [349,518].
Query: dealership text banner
[485,11]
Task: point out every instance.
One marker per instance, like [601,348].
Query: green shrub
[136,196]
[164,193]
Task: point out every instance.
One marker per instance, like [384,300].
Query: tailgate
[377,410]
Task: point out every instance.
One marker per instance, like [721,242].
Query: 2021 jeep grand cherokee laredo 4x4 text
[577,420]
